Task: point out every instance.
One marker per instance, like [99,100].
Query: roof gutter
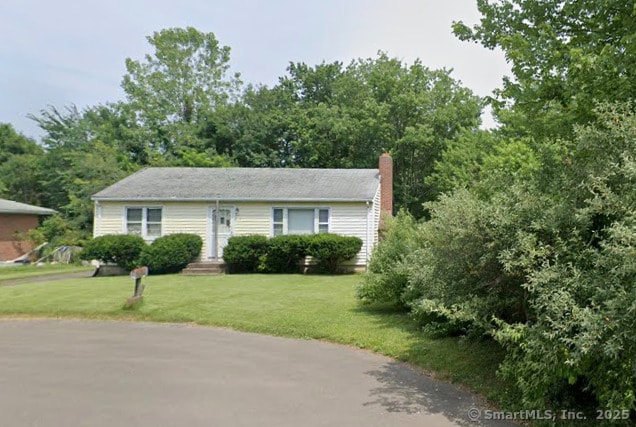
[213,199]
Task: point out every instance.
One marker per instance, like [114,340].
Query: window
[278,221]
[299,221]
[144,222]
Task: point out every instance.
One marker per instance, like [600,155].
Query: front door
[222,224]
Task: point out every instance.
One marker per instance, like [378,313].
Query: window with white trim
[300,221]
[144,222]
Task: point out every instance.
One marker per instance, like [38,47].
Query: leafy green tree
[173,89]
[21,179]
[19,166]
[86,151]
[13,143]
[332,116]
[544,264]
[566,56]
[484,162]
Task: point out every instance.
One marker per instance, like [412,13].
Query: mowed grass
[316,307]
[24,271]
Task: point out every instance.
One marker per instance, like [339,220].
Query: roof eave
[26,212]
[234,199]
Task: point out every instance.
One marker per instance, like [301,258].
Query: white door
[222,224]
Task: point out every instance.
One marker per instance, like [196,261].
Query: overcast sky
[72,52]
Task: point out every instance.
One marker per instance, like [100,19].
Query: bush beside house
[243,253]
[331,250]
[283,254]
[171,253]
[121,249]
[167,254]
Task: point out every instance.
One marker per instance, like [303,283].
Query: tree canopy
[171,90]
[566,56]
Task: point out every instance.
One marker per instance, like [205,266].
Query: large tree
[173,89]
[86,151]
[336,116]
[566,56]
[19,166]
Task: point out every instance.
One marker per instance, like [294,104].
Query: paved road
[60,373]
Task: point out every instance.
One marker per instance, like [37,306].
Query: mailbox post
[137,274]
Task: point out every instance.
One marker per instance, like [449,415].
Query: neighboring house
[16,219]
[217,203]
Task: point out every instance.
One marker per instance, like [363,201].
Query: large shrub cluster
[171,253]
[283,254]
[167,254]
[330,250]
[389,263]
[120,249]
[546,266]
[243,253]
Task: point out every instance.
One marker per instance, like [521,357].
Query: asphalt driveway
[60,373]
[51,277]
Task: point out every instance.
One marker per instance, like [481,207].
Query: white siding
[376,216]
[253,218]
[187,218]
[349,219]
[111,219]
[176,218]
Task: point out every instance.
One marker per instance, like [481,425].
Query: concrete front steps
[204,268]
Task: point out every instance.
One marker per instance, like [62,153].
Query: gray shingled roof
[241,184]
[11,207]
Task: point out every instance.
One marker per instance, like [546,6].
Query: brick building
[16,219]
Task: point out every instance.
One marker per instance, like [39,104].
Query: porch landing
[204,268]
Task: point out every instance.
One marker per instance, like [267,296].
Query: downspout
[216,231]
[366,257]
[97,220]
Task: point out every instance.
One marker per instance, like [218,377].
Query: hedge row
[283,254]
[167,254]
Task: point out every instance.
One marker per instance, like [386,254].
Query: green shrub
[387,278]
[120,249]
[171,253]
[284,254]
[331,250]
[243,253]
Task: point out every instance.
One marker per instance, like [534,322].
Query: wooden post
[137,274]
[138,287]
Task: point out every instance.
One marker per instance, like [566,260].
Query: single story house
[217,203]
[16,219]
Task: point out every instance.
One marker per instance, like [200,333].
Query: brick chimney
[385,165]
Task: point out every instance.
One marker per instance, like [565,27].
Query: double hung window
[300,221]
[144,222]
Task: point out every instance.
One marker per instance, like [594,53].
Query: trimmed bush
[331,250]
[120,249]
[171,253]
[243,253]
[284,254]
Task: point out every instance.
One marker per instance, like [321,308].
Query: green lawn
[22,271]
[319,307]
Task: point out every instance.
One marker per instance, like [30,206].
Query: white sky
[72,51]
